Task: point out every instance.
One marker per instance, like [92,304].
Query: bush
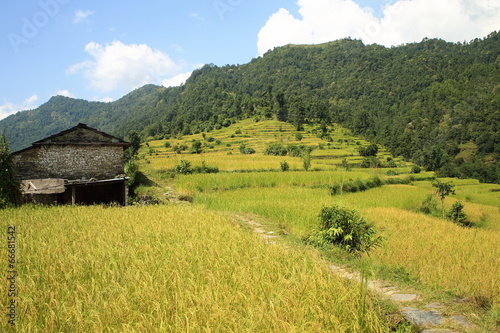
[356,186]
[246,150]
[183,168]
[284,166]
[415,169]
[196,147]
[457,215]
[275,149]
[167,144]
[346,229]
[371,150]
[204,168]
[306,160]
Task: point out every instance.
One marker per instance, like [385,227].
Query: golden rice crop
[168,269]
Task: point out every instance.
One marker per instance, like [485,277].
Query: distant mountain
[433,102]
[60,113]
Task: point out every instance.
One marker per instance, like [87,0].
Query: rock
[422,318]
[461,321]
[403,297]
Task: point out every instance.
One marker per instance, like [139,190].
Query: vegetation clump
[371,150]
[443,189]
[183,168]
[10,192]
[457,215]
[284,166]
[346,229]
[355,186]
[246,150]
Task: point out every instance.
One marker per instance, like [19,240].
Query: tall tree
[10,189]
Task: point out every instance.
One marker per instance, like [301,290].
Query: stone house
[80,166]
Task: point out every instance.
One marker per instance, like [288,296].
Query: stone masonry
[78,153]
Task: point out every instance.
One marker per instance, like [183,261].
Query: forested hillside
[433,102]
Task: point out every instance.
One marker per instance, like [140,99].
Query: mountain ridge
[424,101]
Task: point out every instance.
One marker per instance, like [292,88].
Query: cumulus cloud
[402,22]
[64,93]
[81,16]
[176,80]
[9,108]
[120,68]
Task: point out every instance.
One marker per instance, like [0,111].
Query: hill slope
[433,102]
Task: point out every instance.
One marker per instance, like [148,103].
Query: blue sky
[101,50]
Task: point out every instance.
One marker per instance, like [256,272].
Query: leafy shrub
[346,229]
[204,168]
[183,168]
[284,166]
[196,147]
[306,160]
[246,150]
[356,186]
[275,149]
[371,150]
[457,215]
[299,137]
[415,169]
[391,173]
[167,144]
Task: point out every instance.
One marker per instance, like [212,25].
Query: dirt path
[429,317]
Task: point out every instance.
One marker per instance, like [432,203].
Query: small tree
[284,166]
[306,159]
[10,189]
[345,164]
[135,142]
[457,215]
[443,189]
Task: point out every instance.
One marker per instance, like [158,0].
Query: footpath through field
[429,317]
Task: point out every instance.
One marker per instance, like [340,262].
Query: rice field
[221,148]
[436,253]
[170,268]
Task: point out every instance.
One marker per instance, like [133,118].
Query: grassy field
[428,251]
[194,268]
[170,268]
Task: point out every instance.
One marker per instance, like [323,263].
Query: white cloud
[177,80]
[9,108]
[120,68]
[404,21]
[64,93]
[107,99]
[81,16]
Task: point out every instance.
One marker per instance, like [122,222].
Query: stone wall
[69,162]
